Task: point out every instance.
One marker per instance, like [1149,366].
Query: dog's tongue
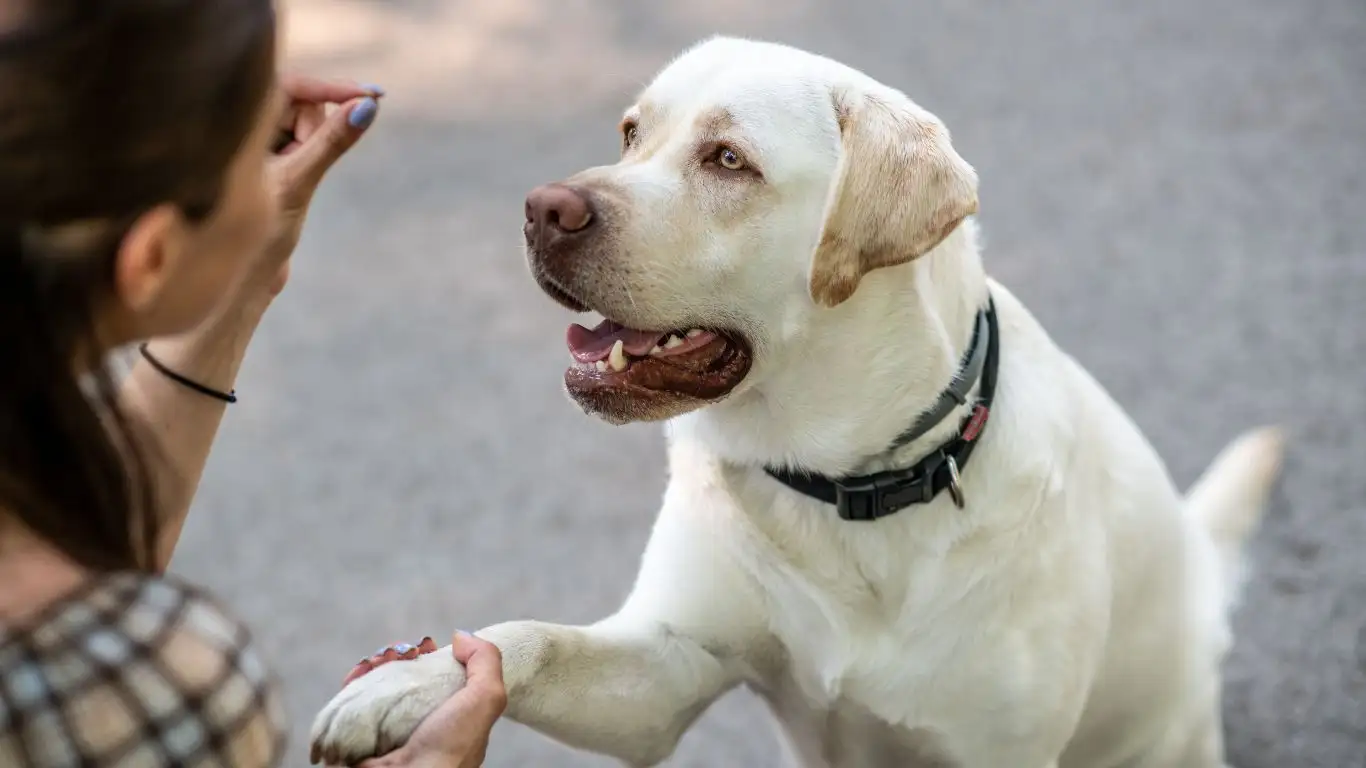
[588,346]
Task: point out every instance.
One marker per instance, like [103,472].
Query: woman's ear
[147,257]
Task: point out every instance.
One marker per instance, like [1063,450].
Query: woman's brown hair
[108,108]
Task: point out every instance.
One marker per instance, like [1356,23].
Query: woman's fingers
[360,669]
[395,652]
[304,166]
[322,90]
[483,677]
[300,121]
[311,116]
[307,99]
[312,140]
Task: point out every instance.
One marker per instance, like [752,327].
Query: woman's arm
[183,421]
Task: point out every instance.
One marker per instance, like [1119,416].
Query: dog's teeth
[657,351]
[673,341]
[601,365]
[617,358]
[694,333]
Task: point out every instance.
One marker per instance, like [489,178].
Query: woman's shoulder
[136,669]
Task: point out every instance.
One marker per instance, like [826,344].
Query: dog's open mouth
[694,363]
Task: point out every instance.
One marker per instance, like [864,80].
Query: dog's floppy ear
[899,189]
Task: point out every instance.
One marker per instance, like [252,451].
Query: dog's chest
[860,612]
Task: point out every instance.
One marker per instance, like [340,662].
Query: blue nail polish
[363,114]
[402,648]
[373,89]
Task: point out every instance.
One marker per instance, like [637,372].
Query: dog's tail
[1231,497]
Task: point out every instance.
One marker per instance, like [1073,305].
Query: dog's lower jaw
[620,409]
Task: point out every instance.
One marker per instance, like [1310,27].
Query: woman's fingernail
[363,114]
[373,90]
[402,648]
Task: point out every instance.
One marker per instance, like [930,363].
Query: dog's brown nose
[557,207]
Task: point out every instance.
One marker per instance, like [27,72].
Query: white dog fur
[1074,615]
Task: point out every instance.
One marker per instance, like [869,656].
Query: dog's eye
[729,159]
[628,135]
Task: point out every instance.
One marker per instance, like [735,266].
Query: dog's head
[757,186]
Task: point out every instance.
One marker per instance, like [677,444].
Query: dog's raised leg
[619,687]
[627,686]
[622,690]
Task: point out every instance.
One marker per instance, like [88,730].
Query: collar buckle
[875,496]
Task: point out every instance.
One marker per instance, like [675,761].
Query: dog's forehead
[758,95]
[738,57]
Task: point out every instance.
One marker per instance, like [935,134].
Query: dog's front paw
[376,713]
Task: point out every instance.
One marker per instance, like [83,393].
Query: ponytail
[70,468]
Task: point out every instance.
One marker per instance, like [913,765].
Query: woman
[154,177]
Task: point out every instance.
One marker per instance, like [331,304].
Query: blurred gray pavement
[1176,190]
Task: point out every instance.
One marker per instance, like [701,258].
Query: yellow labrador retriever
[896,510]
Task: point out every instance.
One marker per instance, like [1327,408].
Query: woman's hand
[456,735]
[186,422]
[311,141]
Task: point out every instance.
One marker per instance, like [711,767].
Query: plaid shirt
[136,671]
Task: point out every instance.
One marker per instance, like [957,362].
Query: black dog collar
[869,497]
